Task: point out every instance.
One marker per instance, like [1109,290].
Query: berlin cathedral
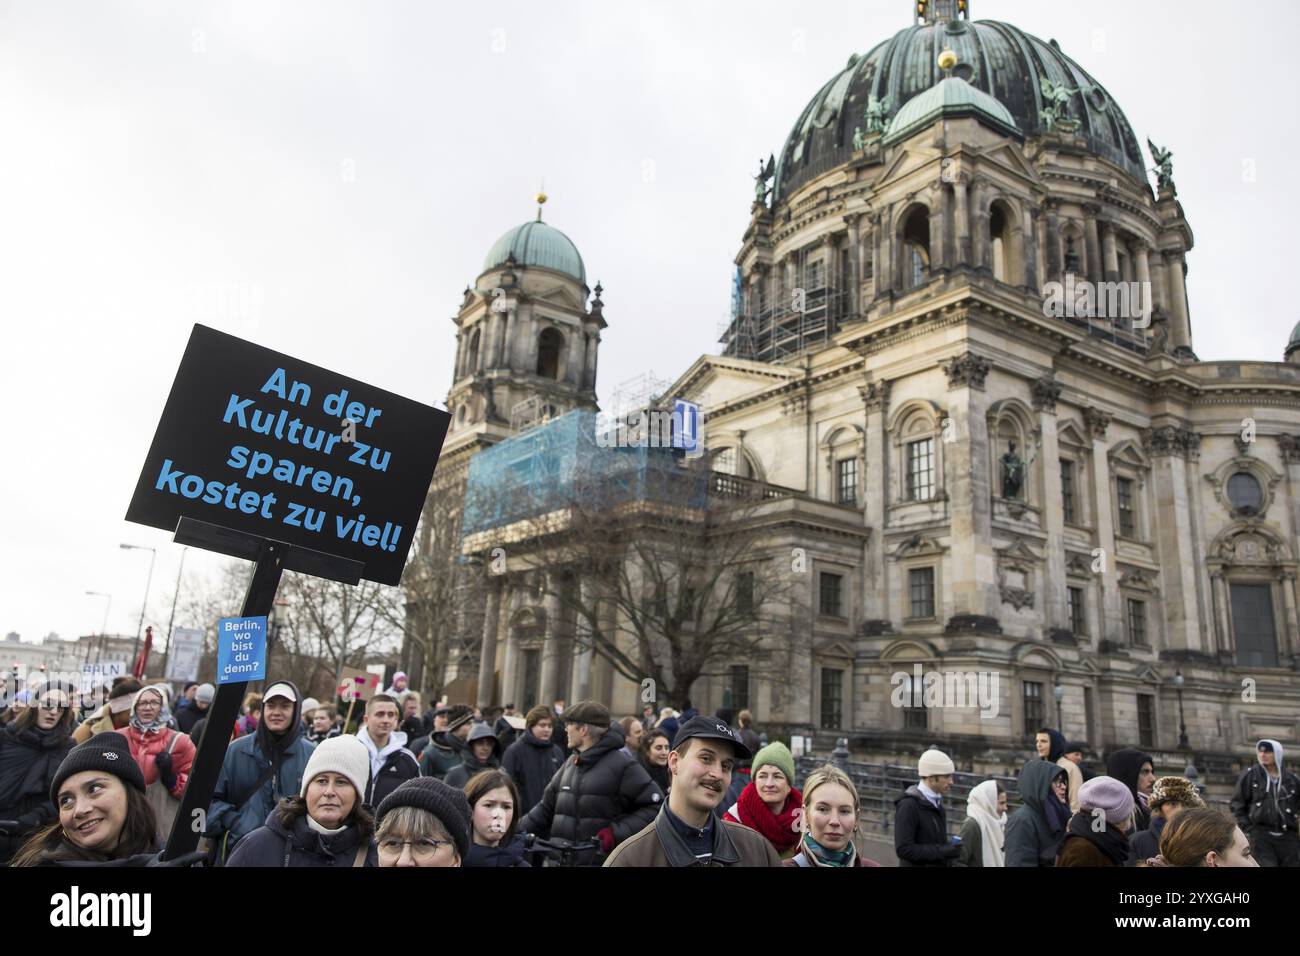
[961,371]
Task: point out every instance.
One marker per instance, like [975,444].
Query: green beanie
[777,755]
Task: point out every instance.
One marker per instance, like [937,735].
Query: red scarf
[778,829]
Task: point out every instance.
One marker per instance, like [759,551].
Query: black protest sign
[264,444]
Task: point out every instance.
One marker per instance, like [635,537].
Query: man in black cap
[598,794]
[686,832]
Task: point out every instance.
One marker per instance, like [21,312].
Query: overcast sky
[324,178]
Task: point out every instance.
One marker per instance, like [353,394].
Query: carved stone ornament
[967,370]
[1290,446]
[875,396]
[1045,392]
[1169,440]
[1098,421]
[1017,597]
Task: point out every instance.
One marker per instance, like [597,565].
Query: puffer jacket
[145,748]
[244,765]
[274,845]
[531,764]
[597,788]
[445,750]
[28,762]
[921,831]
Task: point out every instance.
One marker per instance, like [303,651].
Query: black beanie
[108,751]
[432,795]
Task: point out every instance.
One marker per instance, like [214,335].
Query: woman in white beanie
[326,824]
[983,833]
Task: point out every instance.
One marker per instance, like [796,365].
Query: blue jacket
[243,765]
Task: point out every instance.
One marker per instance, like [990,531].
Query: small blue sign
[686,425]
[241,649]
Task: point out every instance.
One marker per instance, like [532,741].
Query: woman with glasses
[326,824]
[494,813]
[424,822]
[1035,831]
[31,749]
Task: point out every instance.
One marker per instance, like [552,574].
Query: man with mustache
[686,832]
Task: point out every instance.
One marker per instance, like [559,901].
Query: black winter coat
[1253,803]
[921,832]
[399,767]
[509,855]
[187,717]
[597,788]
[531,764]
[273,845]
[28,762]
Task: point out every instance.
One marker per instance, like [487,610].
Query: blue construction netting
[564,463]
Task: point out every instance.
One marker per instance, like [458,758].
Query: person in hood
[260,768]
[1035,830]
[1134,769]
[655,748]
[687,831]
[164,755]
[494,805]
[770,803]
[983,835]
[831,814]
[598,794]
[104,816]
[533,759]
[114,715]
[1052,746]
[1098,834]
[446,748]
[391,764]
[32,749]
[399,686]
[482,752]
[920,824]
[423,822]
[1264,803]
[1203,837]
[1170,796]
[325,823]
[196,710]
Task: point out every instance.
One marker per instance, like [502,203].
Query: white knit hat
[346,755]
[934,763]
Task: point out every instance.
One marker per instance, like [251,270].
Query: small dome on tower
[1292,353]
[537,244]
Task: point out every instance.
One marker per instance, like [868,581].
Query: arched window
[999,241]
[549,344]
[471,355]
[916,248]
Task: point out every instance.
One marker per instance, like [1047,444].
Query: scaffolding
[573,461]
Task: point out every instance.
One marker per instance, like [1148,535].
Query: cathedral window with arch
[916,248]
[920,469]
[549,345]
[471,354]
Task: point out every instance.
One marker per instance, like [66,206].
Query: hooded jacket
[660,845]
[445,750]
[1031,840]
[239,804]
[29,759]
[1264,801]
[459,775]
[300,845]
[1126,766]
[531,764]
[147,745]
[596,788]
[389,768]
[921,831]
[1073,774]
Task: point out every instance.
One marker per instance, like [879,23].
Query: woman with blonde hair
[829,821]
[1201,836]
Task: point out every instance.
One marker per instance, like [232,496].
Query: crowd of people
[452,785]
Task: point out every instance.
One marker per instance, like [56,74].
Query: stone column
[1055,614]
[1180,326]
[851,284]
[480,360]
[1092,242]
[981,245]
[1219,589]
[510,665]
[1109,253]
[879,263]
[580,680]
[548,680]
[1053,242]
[1291,647]
[1112,620]
[961,222]
[1029,258]
[972,572]
[459,367]
[876,495]
[1146,291]
[487,660]
[939,230]
[507,351]
[1169,448]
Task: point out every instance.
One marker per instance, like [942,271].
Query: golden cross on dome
[541,199]
[941,11]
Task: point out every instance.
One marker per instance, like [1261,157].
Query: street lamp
[153,554]
[1182,721]
[103,627]
[1059,693]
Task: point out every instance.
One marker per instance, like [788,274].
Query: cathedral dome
[951,97]
[1293,343]
[537,244]
[997,58]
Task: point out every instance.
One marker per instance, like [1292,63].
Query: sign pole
[188,826]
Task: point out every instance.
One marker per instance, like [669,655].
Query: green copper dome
[1294,342]
[952,96]
[537,244]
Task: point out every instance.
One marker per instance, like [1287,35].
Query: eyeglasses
[421,850]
